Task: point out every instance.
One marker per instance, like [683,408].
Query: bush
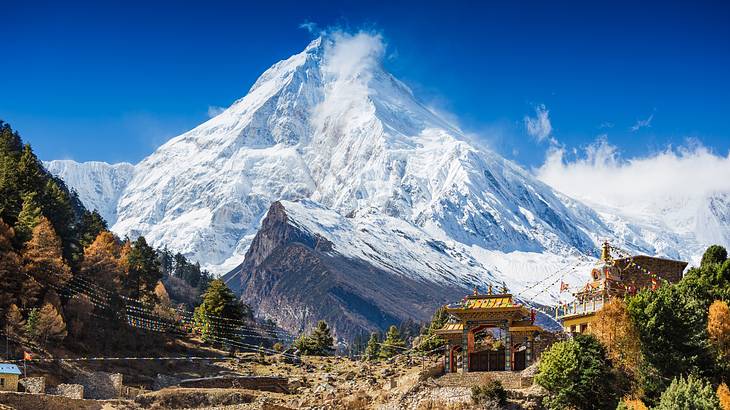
[318,343]
[577,373]
[631,404]
[714,254]
[492,392]
[692,393]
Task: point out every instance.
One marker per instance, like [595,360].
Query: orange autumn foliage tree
[718,327]
[723,393]
[632,404]
[614,328]
[43,262]
[102,263]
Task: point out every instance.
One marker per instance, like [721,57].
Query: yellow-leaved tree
[718,327]
[102,262]
[43,262]
[723,393]
[615,330]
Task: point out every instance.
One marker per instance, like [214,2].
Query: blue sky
[91,81]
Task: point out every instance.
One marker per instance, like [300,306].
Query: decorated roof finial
[606,252]
[504,288]
[476,291]
[490,288]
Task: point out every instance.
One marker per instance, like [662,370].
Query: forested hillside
[69,284]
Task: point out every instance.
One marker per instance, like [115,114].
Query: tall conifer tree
[43,261]
[10,275]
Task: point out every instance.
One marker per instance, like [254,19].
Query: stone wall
[49,402]
[431,372]
[539,346]
[72,391]
[274,384]
[101,385]
[666,269]
[164,380]
[34,385]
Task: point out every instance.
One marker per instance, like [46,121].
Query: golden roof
[451,328]
[489,302]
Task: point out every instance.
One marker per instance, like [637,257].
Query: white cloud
[539,127]
[214,111]
[348,64]
[642,124]
[349,55]
[602,176]
[310,27]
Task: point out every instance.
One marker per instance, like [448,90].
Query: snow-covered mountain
[369,165]
[352,137]
[98,184]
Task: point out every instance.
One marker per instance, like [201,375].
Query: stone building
[9,374]
[616,278]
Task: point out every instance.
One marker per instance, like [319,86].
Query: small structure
[476,317]
[615,278]
[9,374]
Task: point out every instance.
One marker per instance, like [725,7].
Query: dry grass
[440,405]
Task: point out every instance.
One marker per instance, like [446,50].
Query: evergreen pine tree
[10,274]
[306,346]
[323,340]
[31,175]
[31,325]
[372,351]
[180,265]
[29,216]
[91,225]
[429,339]
[57,207]
[690,393]
[218,302]
[143,269]
[10,148]
[167,261]
[392,345]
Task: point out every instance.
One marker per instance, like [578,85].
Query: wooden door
[520,360]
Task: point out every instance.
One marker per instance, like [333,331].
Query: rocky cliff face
[296,277]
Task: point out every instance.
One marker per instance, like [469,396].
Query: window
[2,381]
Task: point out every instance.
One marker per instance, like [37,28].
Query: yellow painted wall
[8,382]
[574,324]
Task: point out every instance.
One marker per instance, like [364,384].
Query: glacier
[99,185]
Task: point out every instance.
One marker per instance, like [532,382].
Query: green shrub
[578,374]
[692,393]
[492,392]
[714,254]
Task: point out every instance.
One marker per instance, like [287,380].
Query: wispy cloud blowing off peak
[600,175]
[539,126]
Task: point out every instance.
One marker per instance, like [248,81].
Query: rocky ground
[319,383]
